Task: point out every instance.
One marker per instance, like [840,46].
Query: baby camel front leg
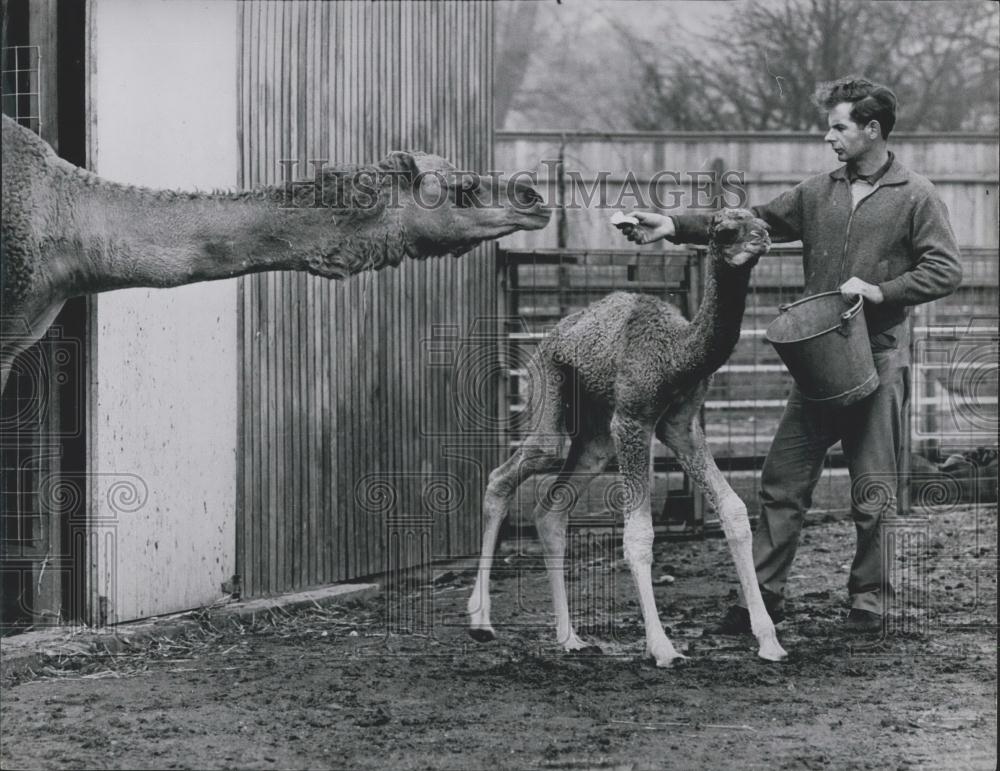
[632,439]
[682,433]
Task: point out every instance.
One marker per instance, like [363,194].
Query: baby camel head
[737,238]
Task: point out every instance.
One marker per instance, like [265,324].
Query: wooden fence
[964,167]
[955,344]
[356,451]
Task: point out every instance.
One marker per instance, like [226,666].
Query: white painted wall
[164,422]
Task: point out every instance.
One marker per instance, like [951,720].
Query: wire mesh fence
[21,74]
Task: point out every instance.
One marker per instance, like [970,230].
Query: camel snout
[726,233]
[537,214]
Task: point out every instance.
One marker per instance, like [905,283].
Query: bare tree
[756,66]
[759,69]
[515,24]
[576,73]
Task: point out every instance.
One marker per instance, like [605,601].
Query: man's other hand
[651,227]
[854,287]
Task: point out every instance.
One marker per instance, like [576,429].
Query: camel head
[447,211]
[737,238]
[417,205]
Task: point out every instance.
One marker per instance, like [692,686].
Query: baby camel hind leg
[682,433]
[502,485]
[540,448]
[632,443]
[587,457]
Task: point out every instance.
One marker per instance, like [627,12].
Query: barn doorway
[43,490]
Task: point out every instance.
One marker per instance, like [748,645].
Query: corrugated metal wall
[349,423]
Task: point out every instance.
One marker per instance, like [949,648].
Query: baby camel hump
[600,341]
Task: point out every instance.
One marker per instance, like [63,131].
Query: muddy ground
[328,687]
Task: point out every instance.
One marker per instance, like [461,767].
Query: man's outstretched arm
[783,216]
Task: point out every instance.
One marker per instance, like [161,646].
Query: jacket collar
[897,174]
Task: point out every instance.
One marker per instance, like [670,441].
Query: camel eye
[464,188]
[463,182]
[527,196]
[430,184]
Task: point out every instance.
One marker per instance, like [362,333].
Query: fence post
[904,461]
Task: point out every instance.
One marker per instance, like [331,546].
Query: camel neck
[715,328]
[143,238]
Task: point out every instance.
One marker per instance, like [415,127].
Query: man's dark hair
[870,101]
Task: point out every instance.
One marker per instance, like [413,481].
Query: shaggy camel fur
[67,232]
[616,373]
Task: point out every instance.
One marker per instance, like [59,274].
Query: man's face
[849,140]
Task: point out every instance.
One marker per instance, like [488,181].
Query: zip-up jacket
[897,237]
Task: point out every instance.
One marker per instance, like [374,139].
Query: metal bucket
[823,341]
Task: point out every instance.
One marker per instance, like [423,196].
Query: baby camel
[613,375]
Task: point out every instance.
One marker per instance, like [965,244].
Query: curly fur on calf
[610,377]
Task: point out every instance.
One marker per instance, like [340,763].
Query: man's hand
[854,287]
[651,227]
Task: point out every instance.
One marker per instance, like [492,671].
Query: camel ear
[401,162]
[410,163]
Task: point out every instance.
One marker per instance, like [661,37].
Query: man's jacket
[898,238]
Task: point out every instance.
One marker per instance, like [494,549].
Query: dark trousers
[871,434]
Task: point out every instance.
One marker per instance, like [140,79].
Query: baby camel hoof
[482,635]
[667,659]
[771,650]
[573,644]
[675,662]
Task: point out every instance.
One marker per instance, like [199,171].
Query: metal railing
[953,378]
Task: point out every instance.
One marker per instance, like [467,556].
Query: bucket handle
[845,319]
[849,314]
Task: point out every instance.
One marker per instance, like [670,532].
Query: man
[871,228]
